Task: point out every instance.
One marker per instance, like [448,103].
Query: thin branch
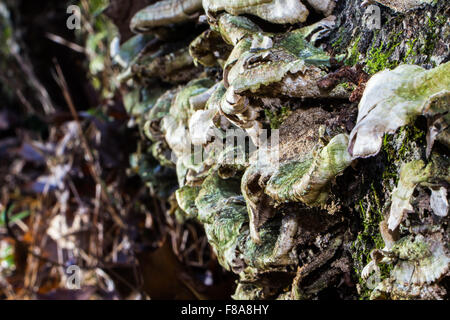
[89,155]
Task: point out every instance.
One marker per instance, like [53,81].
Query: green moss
[370,212]
[441,19]
[353,53]
[390,171]
[348,85]
[431,36]
[378,58]
[430,40]
[412,133]
[398,148]
[276,118]
[410,51]
[336,44]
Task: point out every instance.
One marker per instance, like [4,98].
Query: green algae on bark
[222,211]
[308,180]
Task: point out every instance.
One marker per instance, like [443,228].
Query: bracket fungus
[163,13]
[283,65]
[208,49]
[419,263]
[307,180]
[270,65]
[173,67]
[303,175]
[394,98]
[416,173]
[421,259]
[439,201]
[411,174]
[175,125]
[274,11]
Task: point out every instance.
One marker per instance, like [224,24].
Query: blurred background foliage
[78,185]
